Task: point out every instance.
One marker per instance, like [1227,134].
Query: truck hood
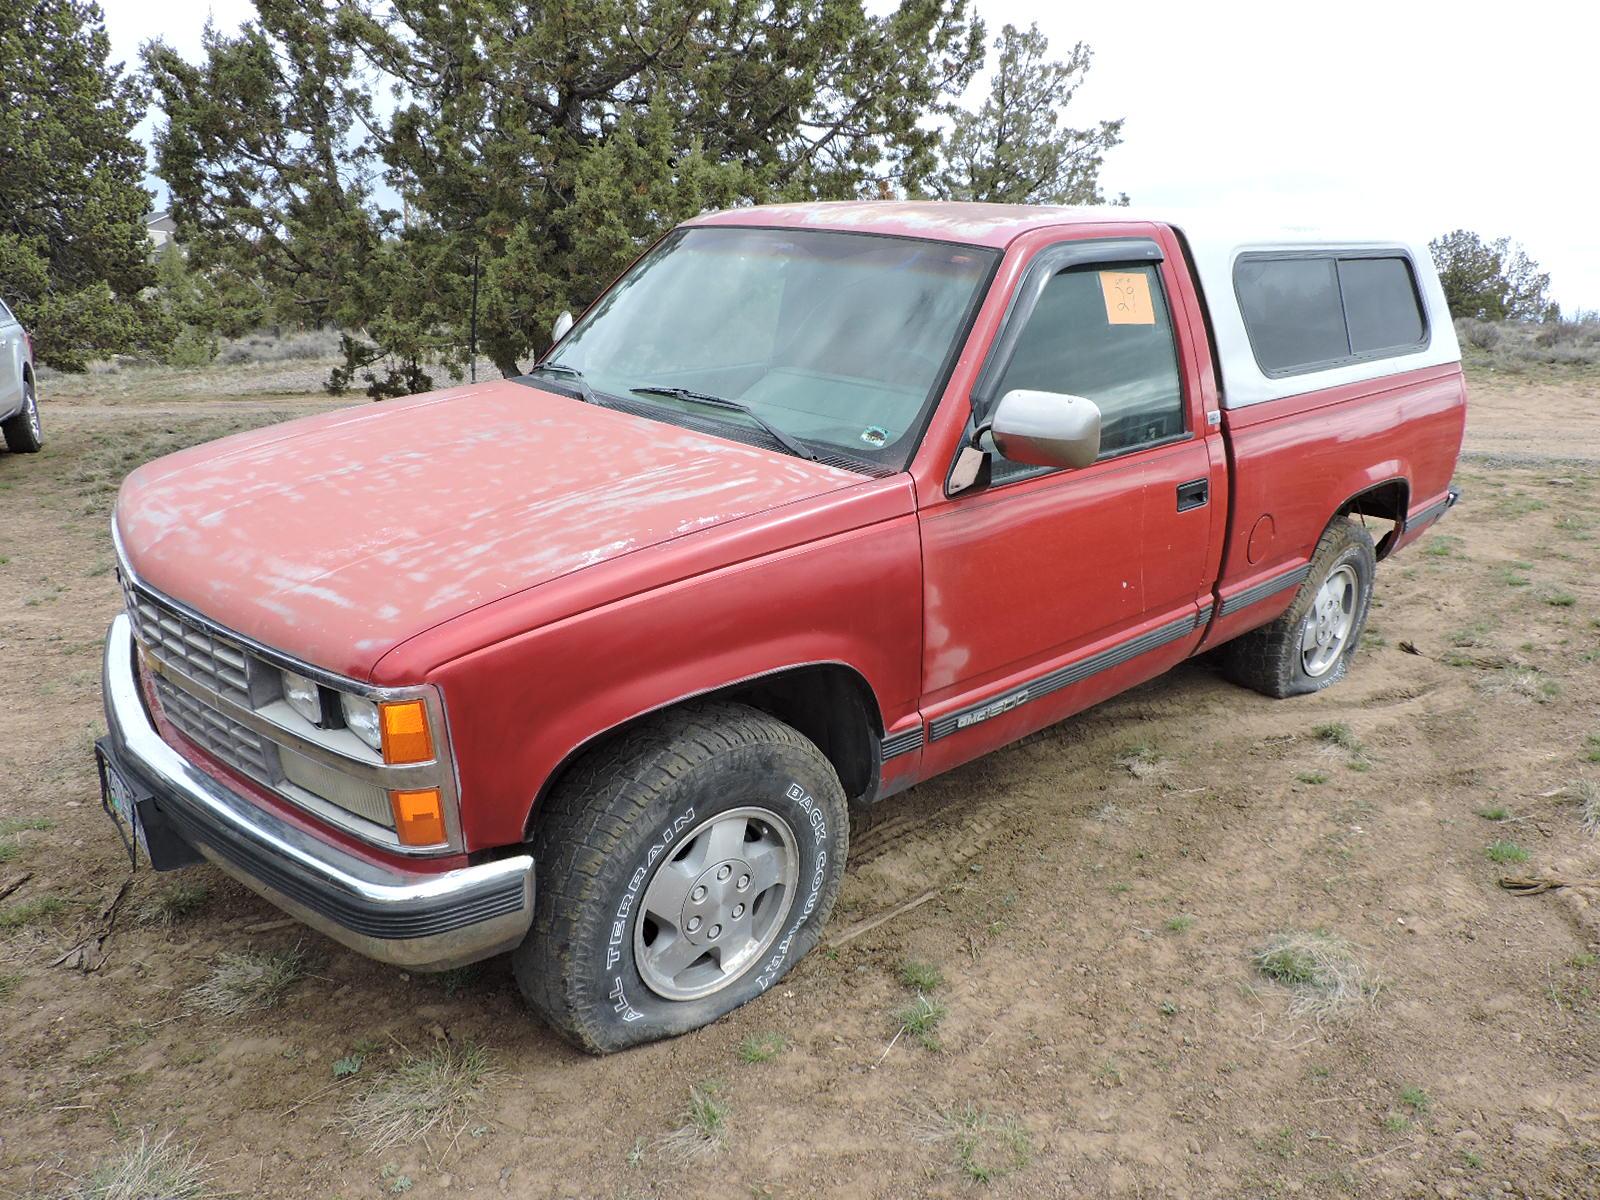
[336,537]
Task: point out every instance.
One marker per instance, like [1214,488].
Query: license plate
[119,799]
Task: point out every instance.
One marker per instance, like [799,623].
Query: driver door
[1040,596]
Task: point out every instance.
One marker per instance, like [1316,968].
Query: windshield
[840,339]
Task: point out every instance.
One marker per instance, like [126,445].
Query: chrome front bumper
[425,921]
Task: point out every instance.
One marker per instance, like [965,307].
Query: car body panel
[15,360]
[334,538]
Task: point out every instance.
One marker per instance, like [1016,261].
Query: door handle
[1193,494]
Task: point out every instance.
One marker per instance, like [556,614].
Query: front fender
[519,708]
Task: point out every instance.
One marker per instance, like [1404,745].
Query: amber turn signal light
[404,726]
[418,817]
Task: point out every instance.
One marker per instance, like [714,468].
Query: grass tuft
[1417,1100]
[704,1127]
[427,1093]
[1181,923]
[1495,812]
[1339,734]
[1504,852]
[986,1146]
[921,1020]
[1322,970]
[41,910]
[149,1170]
[762,1047]
[175,904]
[9,982]
[1586,796]
[241,982]
[920,976]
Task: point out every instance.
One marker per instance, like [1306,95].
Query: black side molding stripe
[1075,672]
[1267,587]
[1432,513]
[904,742]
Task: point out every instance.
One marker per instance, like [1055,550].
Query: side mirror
[1046,429]
[559,329]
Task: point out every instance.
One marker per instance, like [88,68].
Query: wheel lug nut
[725,872]
[698,894]
[738,910]
[694,924]
[744,882]
[716,930]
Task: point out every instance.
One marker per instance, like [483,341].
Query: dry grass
[1321,970]
[704,1127]
[986,1146]
[1586,795]
[433,1093]
[174,904]
[149,1170]
[241,982]
[1525,347]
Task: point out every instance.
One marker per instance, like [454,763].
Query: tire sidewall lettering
[620,972]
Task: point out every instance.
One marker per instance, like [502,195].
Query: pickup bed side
[1383,450]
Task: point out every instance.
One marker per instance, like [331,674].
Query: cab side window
[1104,334]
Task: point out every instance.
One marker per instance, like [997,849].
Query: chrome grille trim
[215,671]
[202,656]
[244,751]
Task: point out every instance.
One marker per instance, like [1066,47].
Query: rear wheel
[24,434]
[683,870]
[1309,647]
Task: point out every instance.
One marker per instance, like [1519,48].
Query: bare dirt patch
[1102,893]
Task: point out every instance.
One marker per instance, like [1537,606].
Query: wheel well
[829,703]
[1386,502]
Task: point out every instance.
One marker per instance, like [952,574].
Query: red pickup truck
[813,503]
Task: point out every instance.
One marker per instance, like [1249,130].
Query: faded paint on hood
[335,537]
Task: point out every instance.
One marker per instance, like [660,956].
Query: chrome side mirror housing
[559,329]
[1046,429]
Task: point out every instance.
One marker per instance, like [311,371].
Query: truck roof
[1214,238]
[978,224]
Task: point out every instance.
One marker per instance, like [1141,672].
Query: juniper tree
[544,145]
[1017,147]
[74,252]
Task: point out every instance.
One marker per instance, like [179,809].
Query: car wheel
[683,869]
[1310,646]
[23,433]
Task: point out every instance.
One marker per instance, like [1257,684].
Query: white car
[19,399]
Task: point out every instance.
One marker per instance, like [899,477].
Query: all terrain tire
[683,869]
[23,432]
[1310,646]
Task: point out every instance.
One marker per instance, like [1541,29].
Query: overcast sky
[1425,114]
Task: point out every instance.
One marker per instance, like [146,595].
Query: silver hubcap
[713,908]
[33,415]
[1327,627]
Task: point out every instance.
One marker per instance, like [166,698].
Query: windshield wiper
[787,441]
[574,374]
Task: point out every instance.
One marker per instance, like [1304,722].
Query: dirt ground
[1098,894]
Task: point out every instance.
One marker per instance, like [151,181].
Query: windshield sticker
[1127,296]
[875,435]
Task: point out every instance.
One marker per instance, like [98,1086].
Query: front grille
[182,647]
[185,646]
[242,749]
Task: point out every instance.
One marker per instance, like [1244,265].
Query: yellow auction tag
[1127,295]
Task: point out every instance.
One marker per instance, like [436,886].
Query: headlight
[362,718]
[303,696]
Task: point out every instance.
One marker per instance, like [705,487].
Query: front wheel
[684,868]
[1310,646]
